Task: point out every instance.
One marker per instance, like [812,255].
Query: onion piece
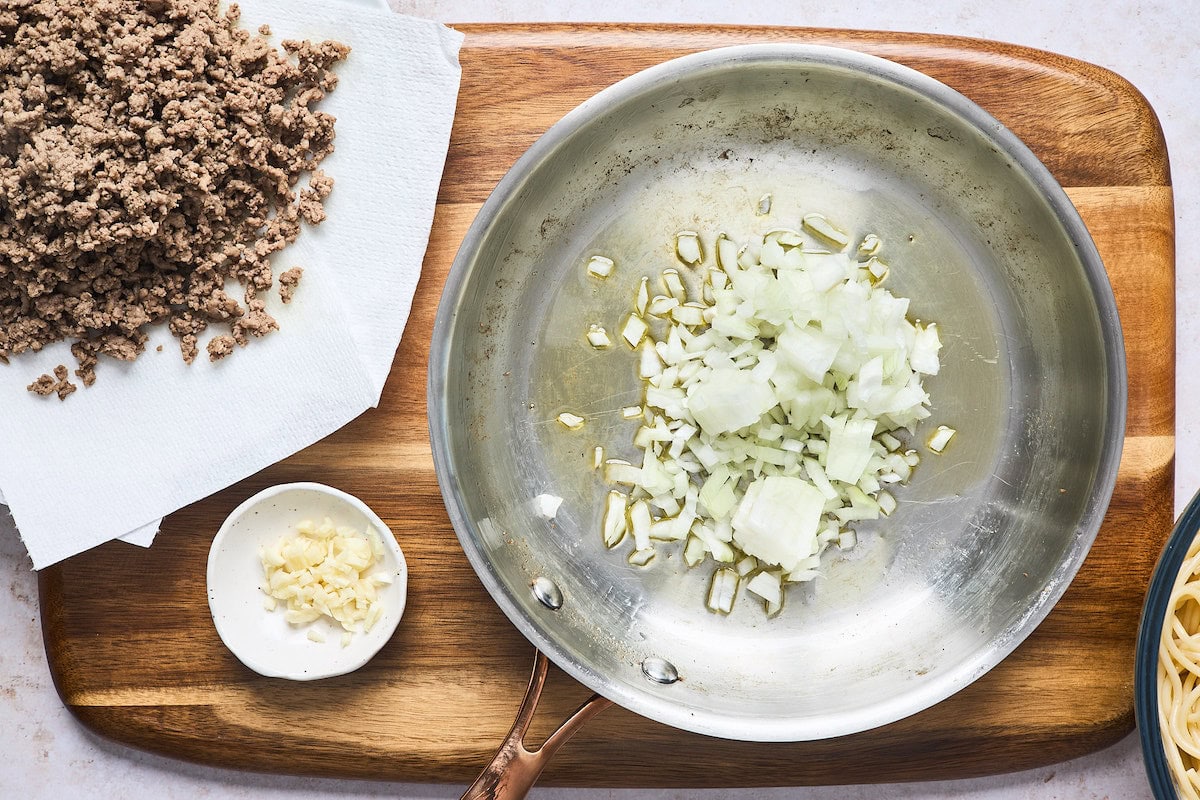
[878,269]
[639,524]
[849,447]
[614,524]
[547,505]
[570,421]
[818,224]
[600,266]
[687,248]
[688,314]
[777,520]
[660,305]
[940,438]
[617,471]
[650,364]
[924,355]
[767,586]
[723,590]
[887,503]
[674,285]
[634,330]
[640,558]
[727,256]
[870,245]
[598,337]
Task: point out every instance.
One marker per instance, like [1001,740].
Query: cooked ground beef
[57,383]
[288,280]
[151,154]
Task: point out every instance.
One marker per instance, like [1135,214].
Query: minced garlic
[325,571]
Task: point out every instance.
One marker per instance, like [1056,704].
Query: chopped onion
[650,364]
[639,524]
[547,505]
[869,245]
[926,344]
[777,520]
[600,266]
[616,471]
[570,421]
[661,305]
[767,586]
[940,438]
[687,247]
[688,314]
[598,337]
[640,558]
[818,224]
[746,566]
[776,401]
[723,590]
[877,268]
[849,447]
[614,519]
[634,330]
[674,285]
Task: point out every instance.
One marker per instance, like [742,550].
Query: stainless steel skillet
[982,240]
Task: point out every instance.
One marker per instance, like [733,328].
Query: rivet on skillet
[660,670]
[547,593]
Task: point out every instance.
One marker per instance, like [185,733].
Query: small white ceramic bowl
[263,640]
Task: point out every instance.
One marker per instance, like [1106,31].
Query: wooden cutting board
[135,657]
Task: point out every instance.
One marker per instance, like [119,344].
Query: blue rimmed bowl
[1154,613]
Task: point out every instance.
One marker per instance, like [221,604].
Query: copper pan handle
[515,768]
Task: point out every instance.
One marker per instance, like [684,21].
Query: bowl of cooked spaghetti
[1167,672]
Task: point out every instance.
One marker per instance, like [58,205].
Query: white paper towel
[155,435]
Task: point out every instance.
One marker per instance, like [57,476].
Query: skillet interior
[986,537]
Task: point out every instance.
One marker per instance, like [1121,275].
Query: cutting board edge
[105,722]
[689,36]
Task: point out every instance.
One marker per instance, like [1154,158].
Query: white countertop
[1150,42]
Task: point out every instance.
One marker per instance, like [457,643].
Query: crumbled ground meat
[57,383]
[44,385]
[219,347]
[63,387]
[85,353]
[255,322]
[150,152]
[288,279]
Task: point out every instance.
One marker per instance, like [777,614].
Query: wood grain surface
[135,656]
